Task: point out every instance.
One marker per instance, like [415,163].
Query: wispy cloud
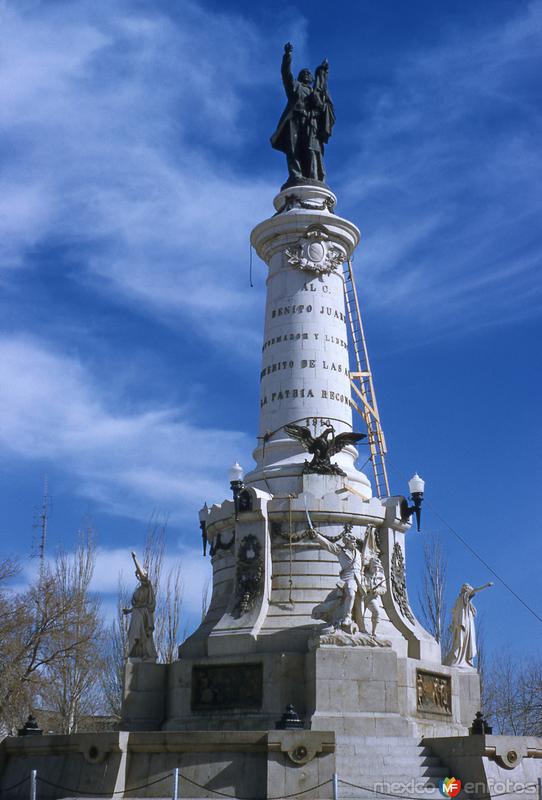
[447,188]
[121,131]
[54,409]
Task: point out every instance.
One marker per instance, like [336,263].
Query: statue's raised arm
[286,69]
[139,569]
[479,589]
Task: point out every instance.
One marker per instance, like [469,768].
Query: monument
[310,673]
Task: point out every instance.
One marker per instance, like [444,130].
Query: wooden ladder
[362,384]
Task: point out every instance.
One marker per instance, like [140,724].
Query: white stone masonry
[304,377]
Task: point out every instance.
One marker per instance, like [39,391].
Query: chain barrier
[16,785]
[163,778]
[378,791]
[103,794]
[236,797]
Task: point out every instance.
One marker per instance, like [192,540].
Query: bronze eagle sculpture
[322,447]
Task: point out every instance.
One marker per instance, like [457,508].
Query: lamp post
[416,486]
[236,475]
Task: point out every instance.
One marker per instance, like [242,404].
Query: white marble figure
[361,582]
[463,629]
[374,585]
[141,628]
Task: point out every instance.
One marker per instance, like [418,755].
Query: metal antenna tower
[41,520]
[362,384]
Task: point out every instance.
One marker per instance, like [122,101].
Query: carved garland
[249,575]
[293,201]
[218,544]
[398,582]
[305,533]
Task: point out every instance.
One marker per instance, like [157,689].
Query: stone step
[393,740]
[384,759]
[395,773]
[396,776]
[410,769]
[400,769]
[405,752]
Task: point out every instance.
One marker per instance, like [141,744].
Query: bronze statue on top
[306,123]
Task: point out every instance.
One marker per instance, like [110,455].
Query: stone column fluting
[304,376]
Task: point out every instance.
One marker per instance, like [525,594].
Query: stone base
[507,767]
[267,763]
[344,683]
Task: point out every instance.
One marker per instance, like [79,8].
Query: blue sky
[135,161]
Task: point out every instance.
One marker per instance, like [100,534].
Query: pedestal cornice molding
[307,206]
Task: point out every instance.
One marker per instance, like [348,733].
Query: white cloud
[128,463]
[120,124]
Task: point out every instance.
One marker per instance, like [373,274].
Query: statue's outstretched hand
[288,47]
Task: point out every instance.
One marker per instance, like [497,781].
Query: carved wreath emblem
[249,575]
[315,253]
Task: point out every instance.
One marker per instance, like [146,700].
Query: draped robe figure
[307,121]
[141,628]
[463,629]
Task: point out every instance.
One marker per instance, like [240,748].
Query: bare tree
[432,596]
[168,615]
[154,548]
[482,658]
[34,630]
[73,680]
[168,611]
[513,694]
[115,653]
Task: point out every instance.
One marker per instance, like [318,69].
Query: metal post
[175,795]
[335,786]
[33,776]
[539,781]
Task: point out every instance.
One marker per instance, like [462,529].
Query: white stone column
[304,377]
